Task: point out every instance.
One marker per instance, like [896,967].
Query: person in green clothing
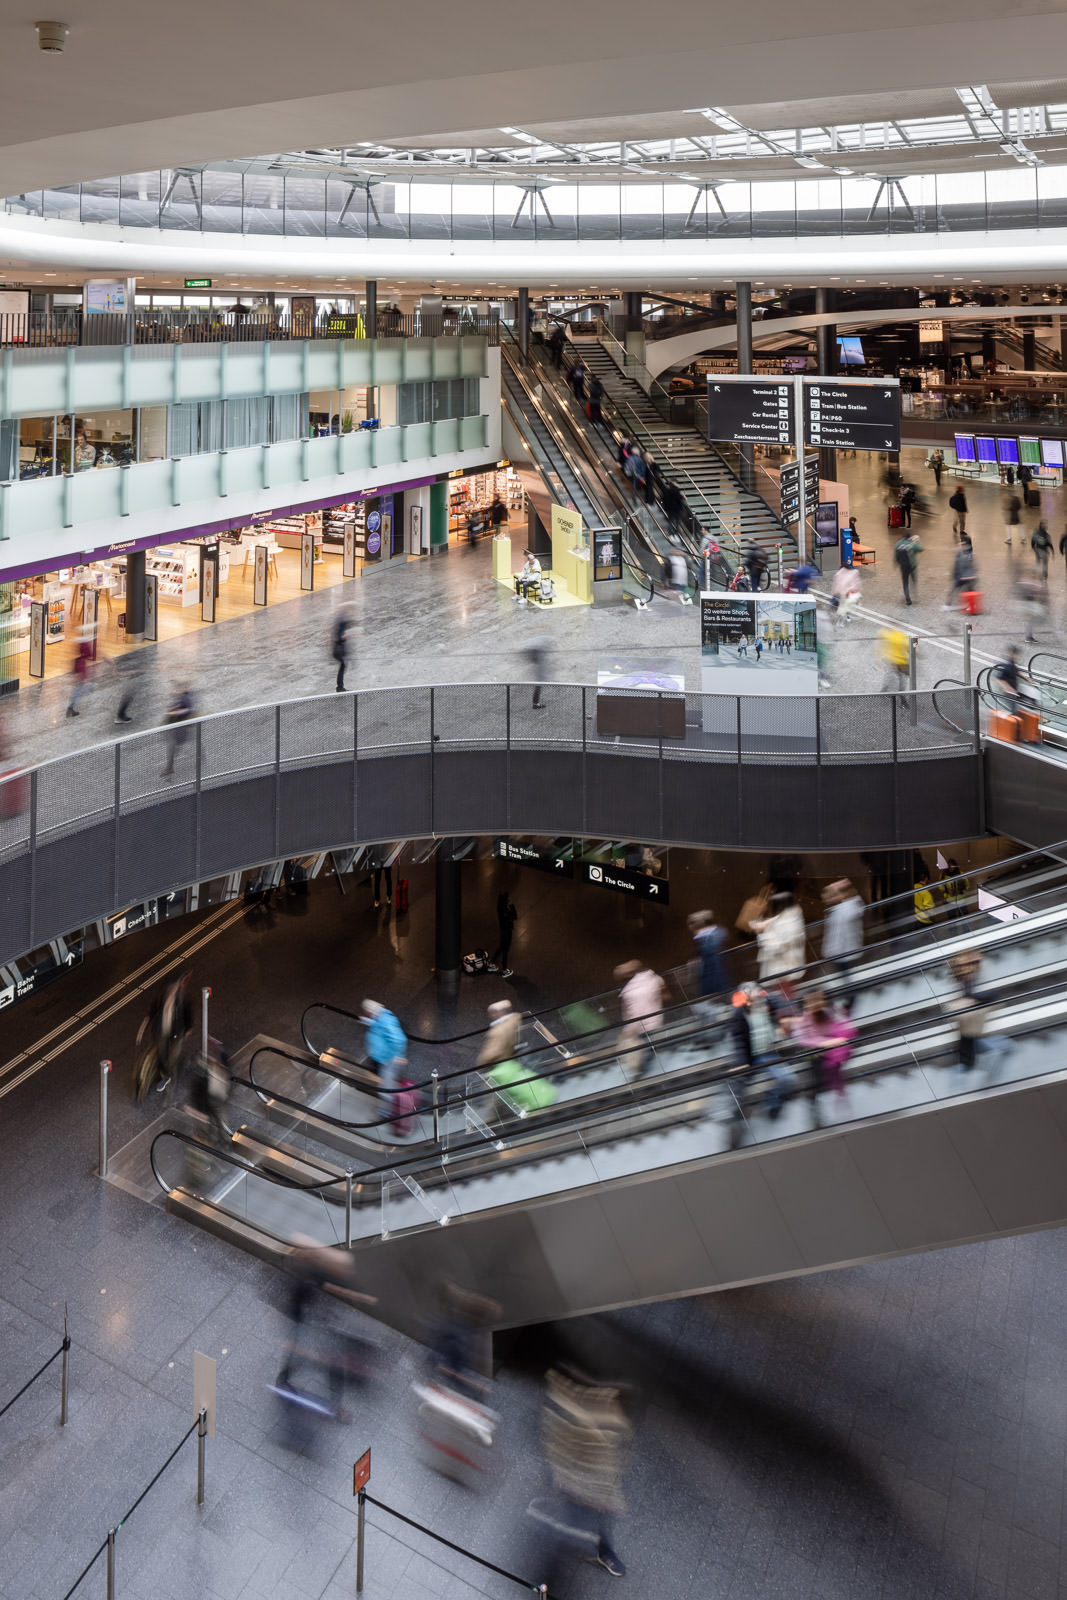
[906,553]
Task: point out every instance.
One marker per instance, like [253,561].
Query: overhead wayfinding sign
[852,413]
[637,884]
[751,410]
[529,855]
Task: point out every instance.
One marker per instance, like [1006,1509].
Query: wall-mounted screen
[1030,452]
[987,449]
[1052,452]
[850,350]
[965,447]
[1008,452]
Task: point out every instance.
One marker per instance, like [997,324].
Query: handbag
[753,910]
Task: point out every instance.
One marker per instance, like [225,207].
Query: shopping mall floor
[444,620]
[894,1430]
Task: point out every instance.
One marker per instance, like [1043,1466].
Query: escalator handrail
[648,1093]
[869,951]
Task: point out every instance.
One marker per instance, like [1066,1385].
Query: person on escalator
[971,1010]
[781,940]
[210,1085]
[556,341]
[711,977]
[756,1034]
[842,938]
[674,506]
[827,1033]
[596,396]
[386,1044]
[641,1000]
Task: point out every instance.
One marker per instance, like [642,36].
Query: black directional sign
[863,414]
[750,410]
[637,884]
[789,485]
[528,855]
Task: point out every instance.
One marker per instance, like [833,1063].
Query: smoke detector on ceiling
[52,36]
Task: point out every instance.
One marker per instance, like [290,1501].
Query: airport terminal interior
[533,803]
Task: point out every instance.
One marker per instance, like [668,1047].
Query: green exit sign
[198,283]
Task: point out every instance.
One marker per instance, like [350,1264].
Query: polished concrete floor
[896,1430]
[444,620]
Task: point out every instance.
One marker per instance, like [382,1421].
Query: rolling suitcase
[1002,725]
[401,901]
[971,602]
[896,516]
[1029,726]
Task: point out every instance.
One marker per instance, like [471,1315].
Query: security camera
[52,36]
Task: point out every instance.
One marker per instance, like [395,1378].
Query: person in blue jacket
[386,1043]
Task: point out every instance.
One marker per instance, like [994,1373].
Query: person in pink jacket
[641,999]
[828,1035]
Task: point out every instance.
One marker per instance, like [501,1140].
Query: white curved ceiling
[154,86]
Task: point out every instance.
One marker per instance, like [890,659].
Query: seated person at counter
[529,576]
[84,452]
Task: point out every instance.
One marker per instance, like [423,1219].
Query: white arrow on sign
[71,958]
[653,888]
[559,863]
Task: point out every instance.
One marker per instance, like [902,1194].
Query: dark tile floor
[894,1430]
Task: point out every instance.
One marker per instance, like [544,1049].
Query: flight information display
[1030,452]
[1052,452]
[987,450]
[1008,452]
[965,447]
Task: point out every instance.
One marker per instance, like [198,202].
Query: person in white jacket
[641,997]
[780,937]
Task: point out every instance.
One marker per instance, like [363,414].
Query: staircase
[736,516]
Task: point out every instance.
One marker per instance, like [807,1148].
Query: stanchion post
[201,1452]
[436,1108]
[968,630]
[348,1210]
[105,1068]
[913,675]
[111,1563]
[360,1535]
[205,996]
[64,1386]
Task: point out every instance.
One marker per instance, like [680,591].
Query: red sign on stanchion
[361,1473]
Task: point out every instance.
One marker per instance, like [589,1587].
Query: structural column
[1029,350]
[448,916]
[370,314]
[743,298]
[135,593]
[523,317]
[826,349]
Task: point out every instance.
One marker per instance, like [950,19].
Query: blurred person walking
[972,1011]
[1012,519]
[906,553]
[958,504]
[780,938]
[711,977]
[757,1035]
[506,918]
[1042,546]
[178,715]
[842,938]
[501,1039]
[162,1036]
[339,648]
[827,1034]
[897,654]
[964,577]
[845,594]
[641,998]
[316,1271]
[82,673]
[586,1439]
[537,649]
[210,1085]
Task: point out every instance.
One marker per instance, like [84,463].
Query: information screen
[1052,452]
[965,447]
[1030,452]
[987,449]
[826,523]
[1008,452]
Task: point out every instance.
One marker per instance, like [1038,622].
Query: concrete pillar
[826,348]
[743,293]
[370,314]
[522,316]
[135,593]
[448,918]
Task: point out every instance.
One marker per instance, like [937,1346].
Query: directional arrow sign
[851,414]
[750,410]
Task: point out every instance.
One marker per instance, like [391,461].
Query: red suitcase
[402,895]
[896,516]
[971,602]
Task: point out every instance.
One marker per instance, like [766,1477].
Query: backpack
[902,552]
[477,961]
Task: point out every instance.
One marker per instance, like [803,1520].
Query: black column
[989,348]
[448,917]
[135,593]
[633,299]
[1030,350]
[522,316]
[370,314]
[743,296]
[826,347]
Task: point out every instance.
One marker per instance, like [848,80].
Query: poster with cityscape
[758,644]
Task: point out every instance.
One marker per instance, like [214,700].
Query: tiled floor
[896,1430]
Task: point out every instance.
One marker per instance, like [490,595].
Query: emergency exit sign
[198,283]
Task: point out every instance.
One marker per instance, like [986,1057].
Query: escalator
[638,1187]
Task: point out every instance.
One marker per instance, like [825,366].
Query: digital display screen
[826,523]
[1030,452]
[965,447]
[850,350]
[1052,452]
[987,449]
[1008,452]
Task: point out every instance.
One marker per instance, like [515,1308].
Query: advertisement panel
[758,644]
